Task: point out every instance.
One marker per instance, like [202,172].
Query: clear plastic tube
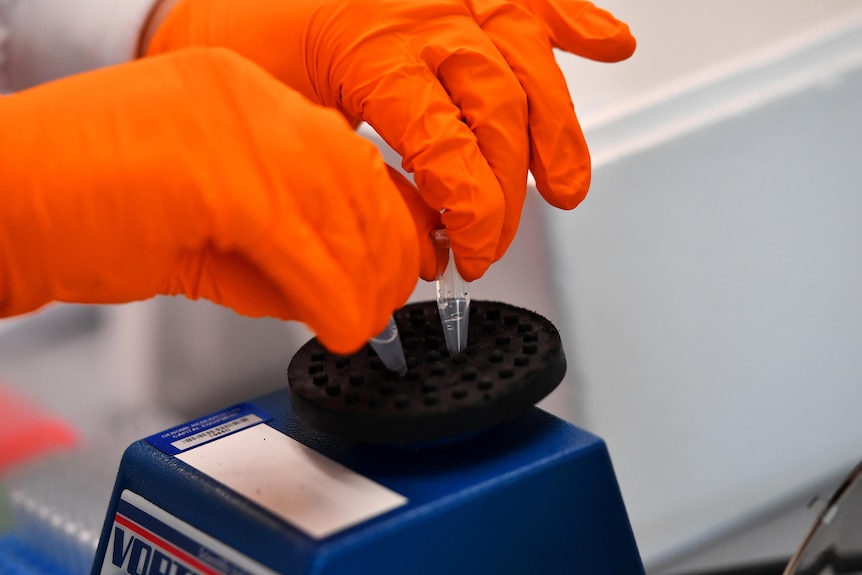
[453,298]
[387,345]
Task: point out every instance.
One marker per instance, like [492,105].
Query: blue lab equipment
[533,495]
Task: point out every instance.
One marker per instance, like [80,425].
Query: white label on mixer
[307,489]
[208,428]
[147,540]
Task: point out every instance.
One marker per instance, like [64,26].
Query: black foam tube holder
[513,359]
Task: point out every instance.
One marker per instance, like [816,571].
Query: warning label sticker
[208,428]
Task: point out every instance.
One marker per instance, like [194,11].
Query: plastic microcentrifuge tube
[453,299]
[387,345]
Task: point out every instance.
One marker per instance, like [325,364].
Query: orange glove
[199,174]
[467,91]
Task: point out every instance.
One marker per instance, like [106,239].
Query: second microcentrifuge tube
[453,298]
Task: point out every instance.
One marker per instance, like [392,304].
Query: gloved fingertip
[339,346]
[567,200]
[346,339]
[564,193]
[428,266]
[425,219]
[472,269]
[586,30]
[341,317]
[354,121]
[614,40]
[622,48]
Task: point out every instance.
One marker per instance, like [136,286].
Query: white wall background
[709,286]
[681,39]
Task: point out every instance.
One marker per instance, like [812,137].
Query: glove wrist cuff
[42,40]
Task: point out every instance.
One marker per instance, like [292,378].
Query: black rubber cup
[513,359]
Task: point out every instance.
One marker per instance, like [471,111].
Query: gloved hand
[199,174]
[467,91]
